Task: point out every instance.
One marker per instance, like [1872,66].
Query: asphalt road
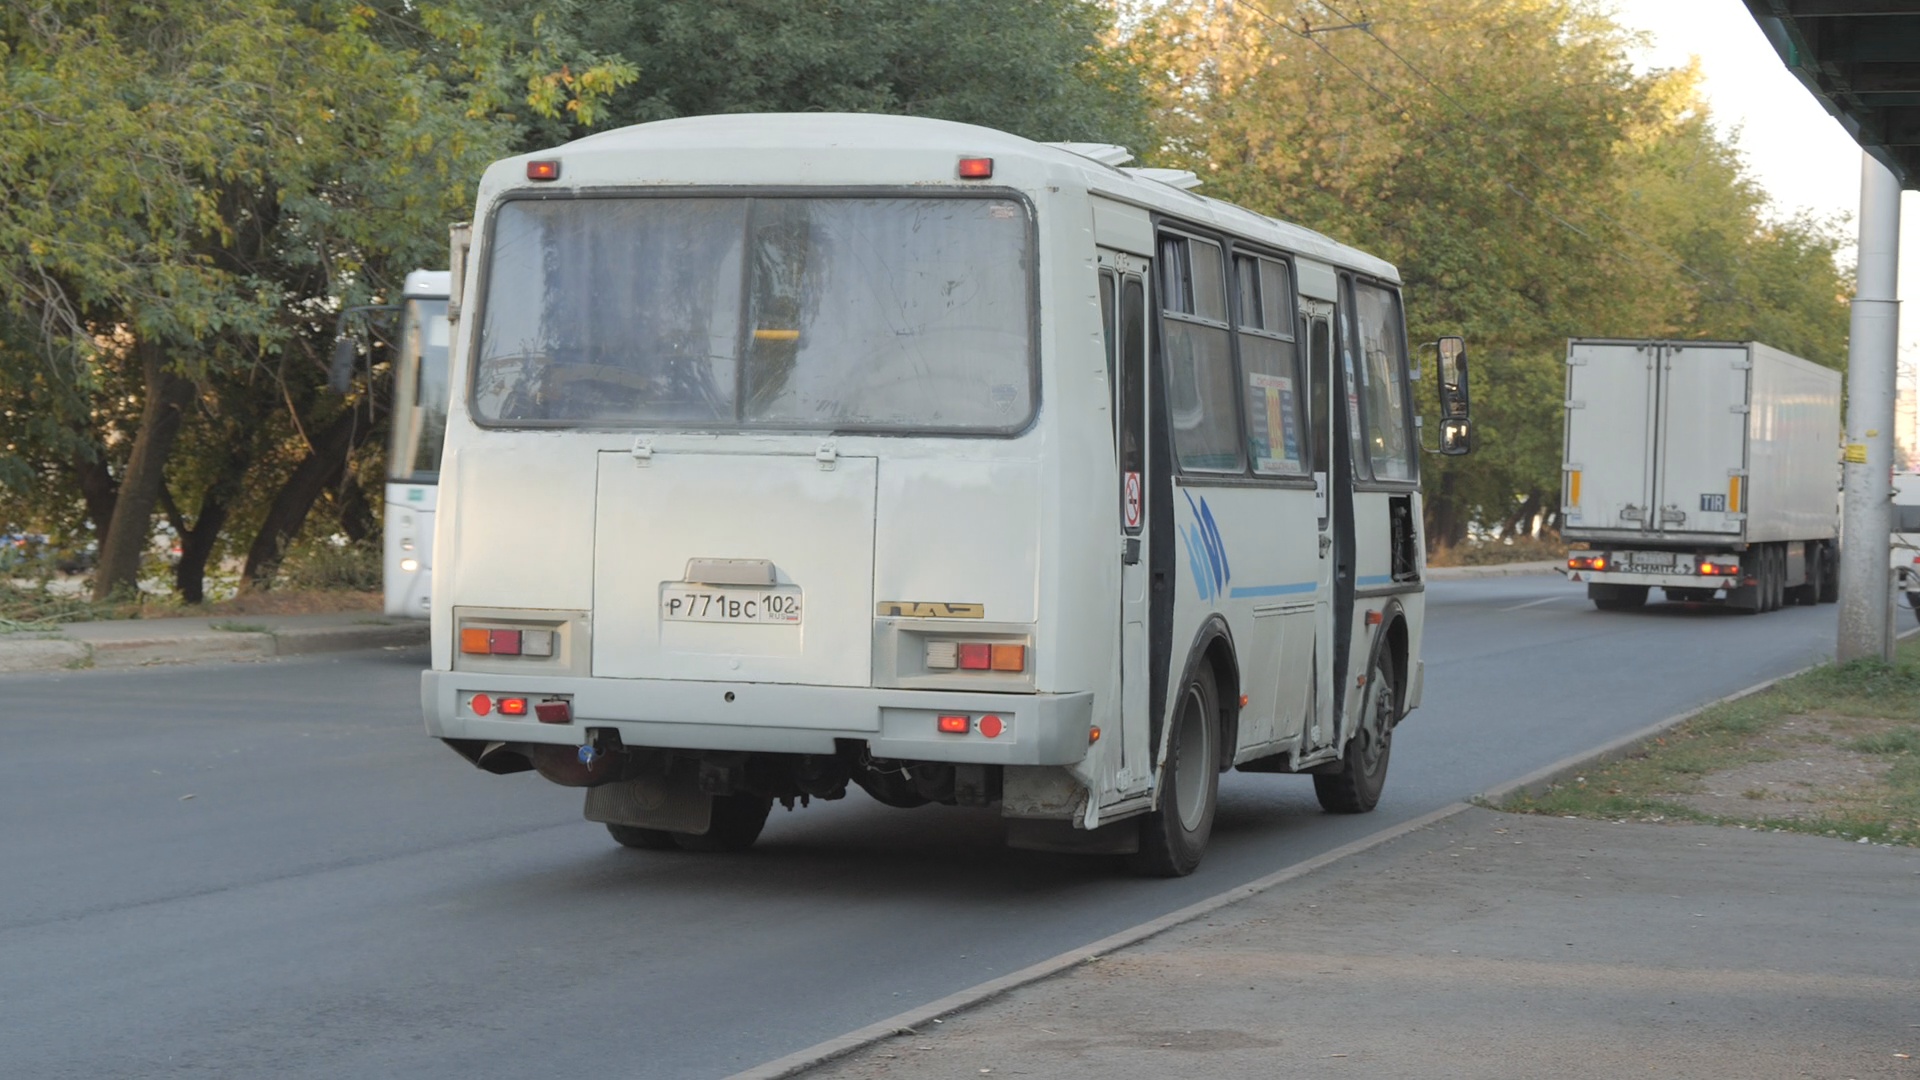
[267,869]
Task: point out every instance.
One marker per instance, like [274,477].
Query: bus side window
[1383,365]
[1320,354]
[1198,348]
[1362,461]
[1133,399]
[1269,366]
[1106,318]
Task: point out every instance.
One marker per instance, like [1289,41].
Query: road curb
[200,644]
[1539,780]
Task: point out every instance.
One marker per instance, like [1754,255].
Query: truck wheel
[1174,834]
[1356,788]
[737,821]
[1617,597]
[1808,594]
[635,837]
[1777,562]
[1830,576]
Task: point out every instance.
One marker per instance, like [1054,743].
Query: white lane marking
[1533,603]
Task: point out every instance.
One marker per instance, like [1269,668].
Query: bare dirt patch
[1814,775]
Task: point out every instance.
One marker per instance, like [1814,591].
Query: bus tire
[1173,836]
[1356,788]
[634,836]
[737,821]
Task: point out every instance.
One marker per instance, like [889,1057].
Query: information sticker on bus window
[779,605]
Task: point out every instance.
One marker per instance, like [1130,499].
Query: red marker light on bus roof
[543,170]
[976,168]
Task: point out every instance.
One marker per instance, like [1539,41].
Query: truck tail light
[1709,568]
[1586,562]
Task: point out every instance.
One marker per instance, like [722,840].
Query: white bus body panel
[570,522]
[1707,444]
[409,540]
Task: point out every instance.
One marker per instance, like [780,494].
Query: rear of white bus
[747,482]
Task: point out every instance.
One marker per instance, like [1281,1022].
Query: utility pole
[1865,592]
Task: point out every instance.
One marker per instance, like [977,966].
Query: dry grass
[1834,752]
[31,609]
[1495,552]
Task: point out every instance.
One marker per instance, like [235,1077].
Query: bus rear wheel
[736,824]
[1356,788]
[1174,834]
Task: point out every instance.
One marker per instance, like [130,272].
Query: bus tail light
[976,656]
[992,726]
[1586,562]
[481,704]
[476,641]
[503,642]
[943,655]
[554,712]
[1009,658]
[536,643]
[956,725]
[995,656]
[513,706]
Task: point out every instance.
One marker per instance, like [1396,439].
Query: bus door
[1333,483]
[1123,309]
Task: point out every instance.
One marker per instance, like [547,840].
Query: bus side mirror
[1456,437]
[1452,354]
[340,374]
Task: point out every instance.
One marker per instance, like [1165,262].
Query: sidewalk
[123,643]
[1490,945]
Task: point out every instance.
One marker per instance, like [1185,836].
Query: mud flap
[670,801]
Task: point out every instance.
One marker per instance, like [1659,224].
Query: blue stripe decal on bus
[1272,590]
[1381,579]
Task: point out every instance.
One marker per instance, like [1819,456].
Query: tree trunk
[288,513]
[357,518]
[97,490]
[216,503]
[168,395]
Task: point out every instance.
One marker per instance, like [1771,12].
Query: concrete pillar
[1865,596]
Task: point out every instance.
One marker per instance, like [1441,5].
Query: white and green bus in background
[794,453]
[419,426]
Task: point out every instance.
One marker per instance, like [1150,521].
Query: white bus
[789,453]
[413,442]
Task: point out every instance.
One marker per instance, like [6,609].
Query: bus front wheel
[1356,788]
[1174,834]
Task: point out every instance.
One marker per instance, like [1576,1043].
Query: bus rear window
[782,313]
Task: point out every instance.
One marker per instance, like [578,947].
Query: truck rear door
[1701,461]
[1611,397]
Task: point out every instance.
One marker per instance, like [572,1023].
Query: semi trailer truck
[1707,469]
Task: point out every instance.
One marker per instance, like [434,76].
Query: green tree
[1529,184]
[187,189]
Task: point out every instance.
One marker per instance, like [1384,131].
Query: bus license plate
[701,603]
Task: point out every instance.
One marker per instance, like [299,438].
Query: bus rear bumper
[1034,729]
